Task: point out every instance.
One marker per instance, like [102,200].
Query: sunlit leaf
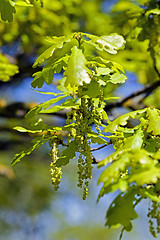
[110,43]
[122,120]
[34,111]
[154,121]
[103,71]
[22,154]
[153,11]
[49,52]
[23,4]
[77,72]
[146,176]
[117,78]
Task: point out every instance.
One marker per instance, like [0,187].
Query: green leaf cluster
[7,69]
[64,54]
[90,73]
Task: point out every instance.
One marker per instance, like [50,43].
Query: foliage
[90,70]
[6,69]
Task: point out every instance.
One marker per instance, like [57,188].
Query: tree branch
[146,90]
[95,161]
[98,148]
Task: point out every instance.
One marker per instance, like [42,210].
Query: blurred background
[30,209]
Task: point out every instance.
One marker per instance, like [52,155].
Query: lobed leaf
[97,138]
[7,10]
[22,154]
[34,111]
[57,45]
[110,43]
[135,141]
[77,72]
[93,90]
[117,78]
[46,75]
[67,154]
[122,211]
[122,120]
[145,176]
[154,121]
[7,69]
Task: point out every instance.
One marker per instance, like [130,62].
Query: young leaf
[122,211]
[6,69]
[154,121]
[77,72]
[22,154]
[58,45]
[97,139]
[34,111]
[112,157]
[135,141]
[117,78]
[109,44]
[67,154]
[122,120]
[145,176]
[93,90]
[45,75]
[103,71]
[112,172]
[23,4]
[7,10]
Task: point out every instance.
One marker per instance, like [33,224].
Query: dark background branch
[146,90]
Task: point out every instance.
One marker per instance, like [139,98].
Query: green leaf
[111,158]
[103,71]
[68,104]
[22,154]
[112,172]
[110,43]
[93,90]
[49,93]
[97,138]
[117,78]
[153,11]
[7,10]
[57,45]
[6,69]
[67,154]
[154,121]
[46,75]
[22,129]
[77,72]
[34,111]
[23,4]
[150,193]
[122,211]
[145,176]
[135,141]
[152,144]
[122,120]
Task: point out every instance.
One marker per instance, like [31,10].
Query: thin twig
[98,148]
[95,161]
[121,234]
